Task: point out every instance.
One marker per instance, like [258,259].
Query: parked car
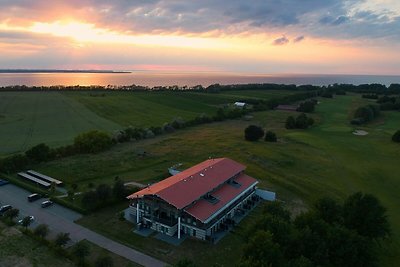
[4,182]
[31,218]
[4,208]
[34,197]
[46,203]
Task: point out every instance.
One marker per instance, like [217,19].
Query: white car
[31,219]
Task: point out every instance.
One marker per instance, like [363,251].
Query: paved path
[135,184]
[60,219]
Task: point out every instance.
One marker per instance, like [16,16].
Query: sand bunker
[360,132]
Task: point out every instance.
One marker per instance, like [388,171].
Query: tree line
[104,195]
[326,91]
[329,234]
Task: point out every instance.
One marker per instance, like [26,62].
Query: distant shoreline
[58,71]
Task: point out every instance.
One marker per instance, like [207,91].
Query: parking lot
[55,216]
[60,219]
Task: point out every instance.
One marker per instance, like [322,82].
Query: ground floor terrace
[177,224]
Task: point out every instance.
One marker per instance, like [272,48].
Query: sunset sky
[254,36]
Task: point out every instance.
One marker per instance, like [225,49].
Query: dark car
[46,203]
[4,208]
[3,182]
[34,197]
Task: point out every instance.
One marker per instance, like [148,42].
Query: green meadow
[304,165]
[144,109]
[30,118]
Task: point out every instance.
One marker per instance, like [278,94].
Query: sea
[155,78]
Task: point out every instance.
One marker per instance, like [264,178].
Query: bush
[270,136]
[290,123]
[307,106]
[396,137]
[39,153]
[81,250]
[365,114]
[62,239]
[92,142]
[42,230]
[14,163]
[253,133]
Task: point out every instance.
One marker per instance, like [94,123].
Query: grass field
[30,118]
[303,166]
[17,249]
[144,109]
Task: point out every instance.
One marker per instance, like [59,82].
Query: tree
[103,192]
[261,251]
[105,261]
[26,221]
[290,123]
[39,153]
[365,114]
[270,136]
[348,249]
[11,214]
[307,106]
[253,133]
[329,210]
[62,239]
[365,214]
[92,142]
[302,121]
[119,190]
[275,208]
[396,137]
[81,251]
[42,230]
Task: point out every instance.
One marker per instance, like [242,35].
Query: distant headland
[58,71]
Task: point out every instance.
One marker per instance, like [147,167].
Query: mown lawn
[303,166]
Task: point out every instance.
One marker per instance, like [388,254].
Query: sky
[252,36]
